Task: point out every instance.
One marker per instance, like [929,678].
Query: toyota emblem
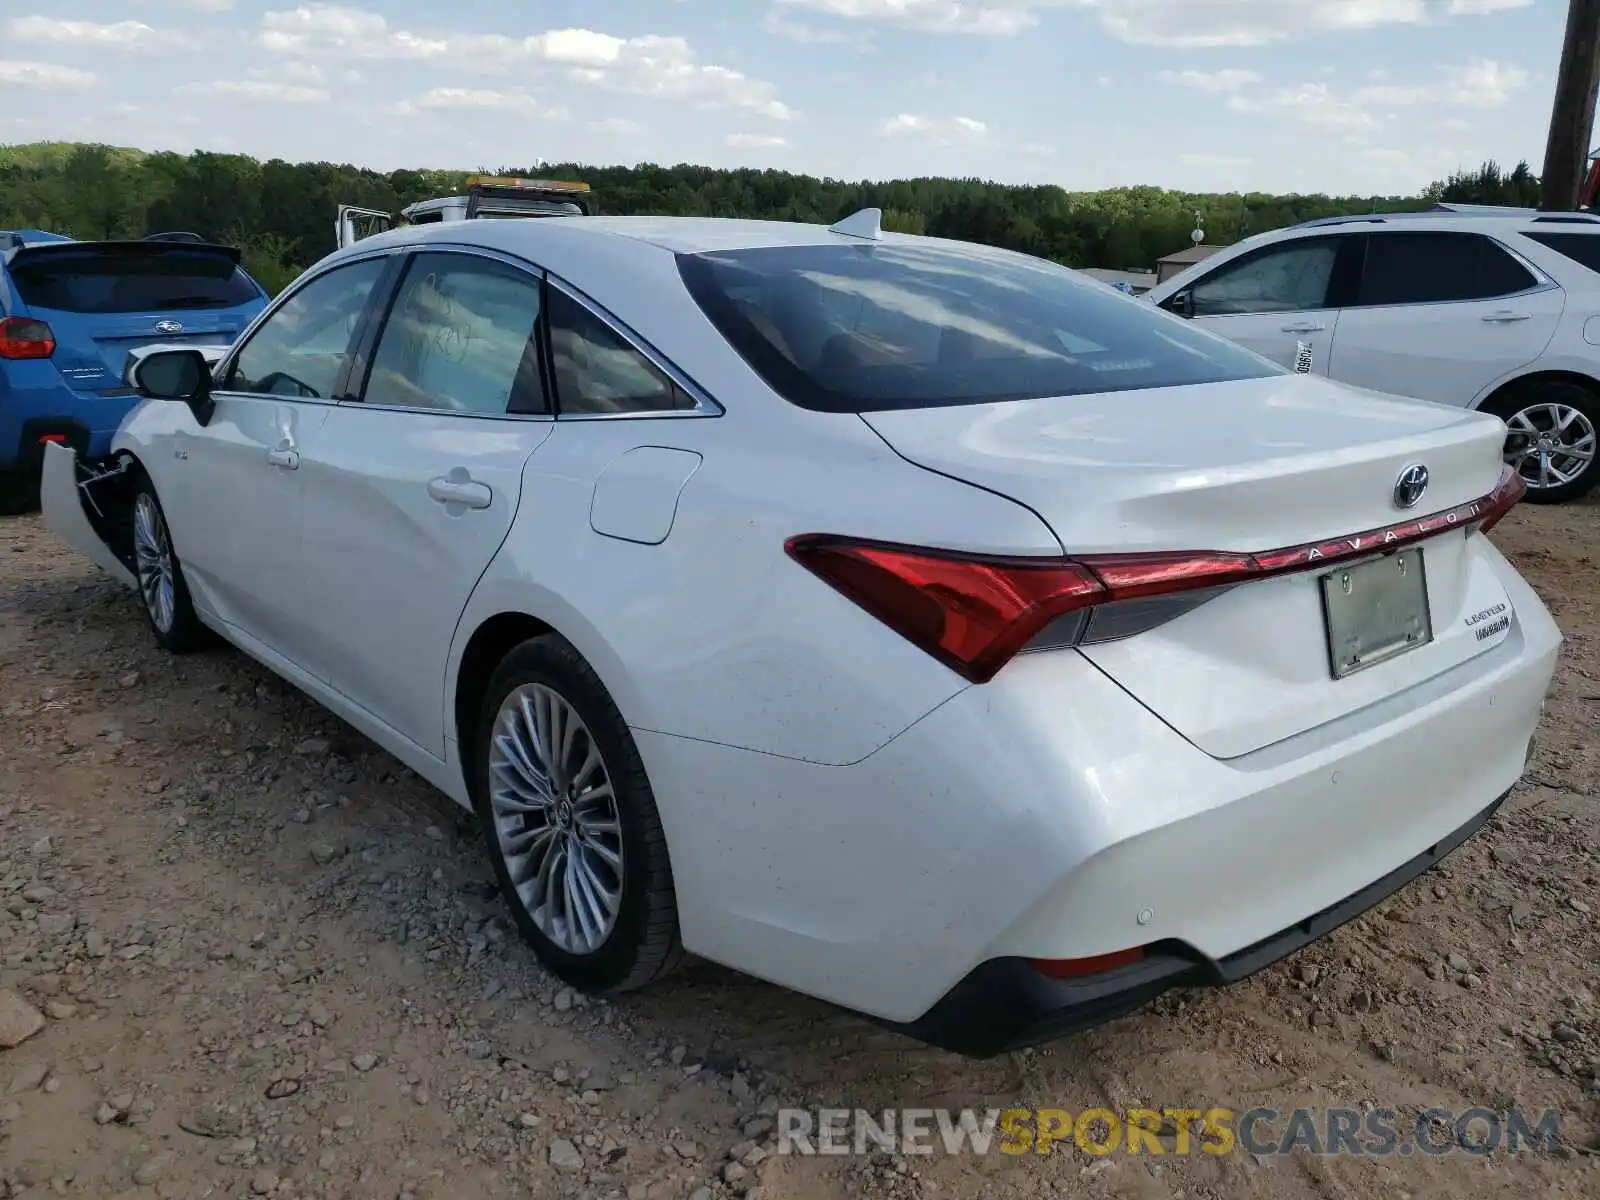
[1411,485]
[169,326]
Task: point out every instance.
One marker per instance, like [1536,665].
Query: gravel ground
[264,959]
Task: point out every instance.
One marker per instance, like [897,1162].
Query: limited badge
[1302,357]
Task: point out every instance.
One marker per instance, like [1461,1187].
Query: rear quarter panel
[715,633]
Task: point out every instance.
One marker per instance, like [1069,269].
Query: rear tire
[1552,425]
[571,823]
[19,493]
[163,591]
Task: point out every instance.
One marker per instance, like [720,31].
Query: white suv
[1492,312]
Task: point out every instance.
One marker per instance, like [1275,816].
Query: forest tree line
[281,214]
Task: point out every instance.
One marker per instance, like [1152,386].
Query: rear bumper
[1049,815]
[35,404]
[1005,1004]
[36,433]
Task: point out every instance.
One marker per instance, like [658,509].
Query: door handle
[284,457]
[1506,317]
[1304,328]
[460,491]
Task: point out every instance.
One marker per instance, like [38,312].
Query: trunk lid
[103,299]
[1250,466]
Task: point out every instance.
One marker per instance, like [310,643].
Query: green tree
[1489,184]
[282,213]
[901,221]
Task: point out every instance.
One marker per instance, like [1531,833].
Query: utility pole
[1572,114]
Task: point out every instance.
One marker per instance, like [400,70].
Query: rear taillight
[23,337]
[976,612]
[1502,500]
[973,613]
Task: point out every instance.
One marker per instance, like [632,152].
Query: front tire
[571,823]
[163,592]
[1552,439]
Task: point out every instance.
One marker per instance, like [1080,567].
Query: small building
[1169,266]
[1138,282]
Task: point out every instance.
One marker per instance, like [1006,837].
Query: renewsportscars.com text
[1167,1131]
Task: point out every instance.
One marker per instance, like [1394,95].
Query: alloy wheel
[1550,444]
[152,554]
[556,819]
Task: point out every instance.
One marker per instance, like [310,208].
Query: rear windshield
[507,209]
[136,280]
[845,328]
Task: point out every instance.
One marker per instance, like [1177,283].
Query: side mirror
[1182,303]
[182,375]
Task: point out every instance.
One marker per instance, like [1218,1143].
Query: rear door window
[1434,268]
[460,338]
[863,328]
[132,279]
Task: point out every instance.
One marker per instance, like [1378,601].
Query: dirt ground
[271,963]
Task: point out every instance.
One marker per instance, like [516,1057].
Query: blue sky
[1349,96]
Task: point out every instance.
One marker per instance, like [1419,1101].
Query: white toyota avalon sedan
[913,624]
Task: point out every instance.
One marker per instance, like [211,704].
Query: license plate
[1376,610]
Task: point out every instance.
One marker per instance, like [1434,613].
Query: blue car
[70,311]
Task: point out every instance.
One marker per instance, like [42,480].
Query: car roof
[673,235]
[1484,220]
[697,235]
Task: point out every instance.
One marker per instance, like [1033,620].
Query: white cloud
[1481,83]
[49,76]
[1231,80]
[125,35]
[514,100]
[257,89]
[1258,22]
[1313,104]
[995,18]
[941,131]
[616,126]
[755,141]
[195,5]
[331,29]
[1475,8]
[301,72]
[1193,159]
[1160,22]
[812,35]
[649,65]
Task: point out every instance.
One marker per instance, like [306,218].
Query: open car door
[357,223]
